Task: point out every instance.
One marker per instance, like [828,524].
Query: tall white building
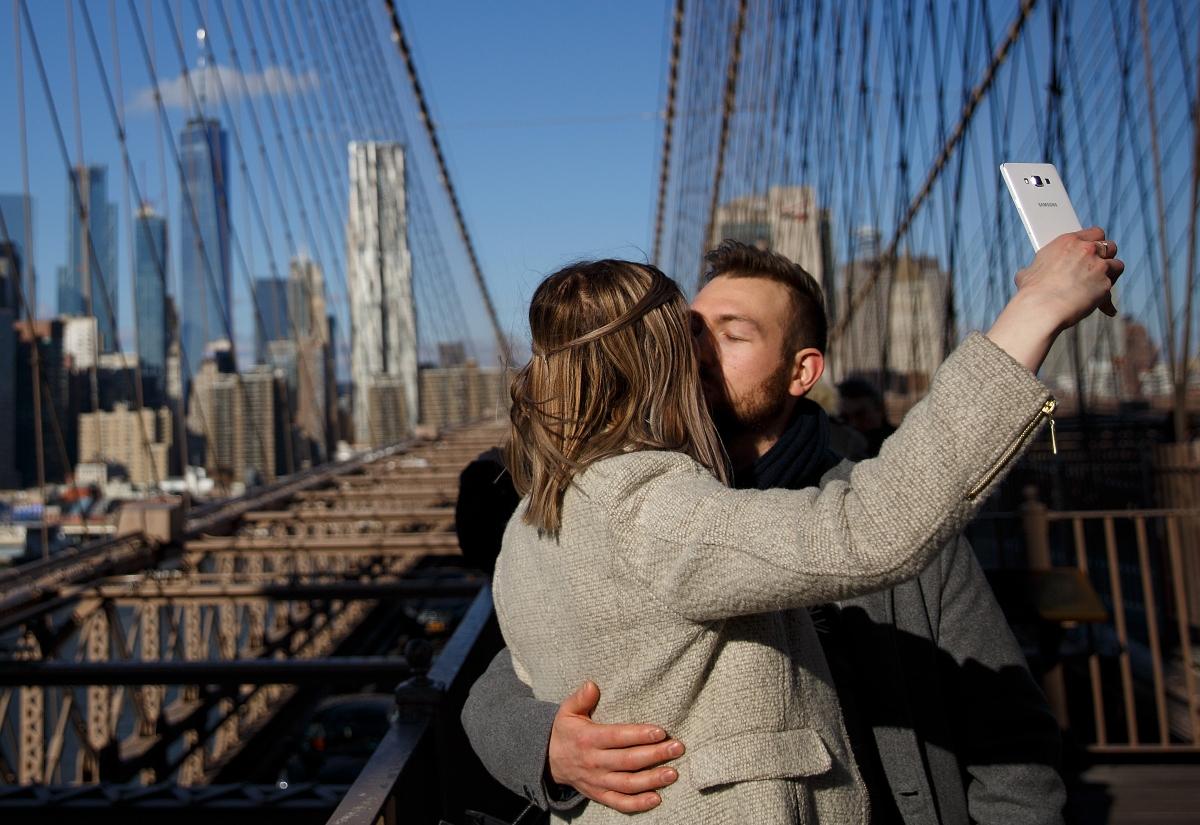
[79,341]
[786,220]
[379,276]
[901,321]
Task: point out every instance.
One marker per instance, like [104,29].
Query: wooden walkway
[1136,795]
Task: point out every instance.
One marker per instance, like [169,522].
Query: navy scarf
[799,458]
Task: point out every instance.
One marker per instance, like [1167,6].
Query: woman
[630,563]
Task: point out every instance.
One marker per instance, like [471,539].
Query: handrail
[372,798]
[1144,566]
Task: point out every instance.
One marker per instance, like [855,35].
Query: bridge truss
[141,672]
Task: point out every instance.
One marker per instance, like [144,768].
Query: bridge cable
[503,349]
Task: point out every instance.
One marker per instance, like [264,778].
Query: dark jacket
[486,500]
[963,731]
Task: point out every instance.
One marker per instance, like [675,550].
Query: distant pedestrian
[486,501]
[860,406]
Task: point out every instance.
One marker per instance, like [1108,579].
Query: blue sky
[547,114]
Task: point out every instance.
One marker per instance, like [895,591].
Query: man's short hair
[810,326]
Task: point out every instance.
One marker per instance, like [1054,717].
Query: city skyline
[246,154]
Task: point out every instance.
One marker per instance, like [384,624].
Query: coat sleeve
[510,731]
[1010,742]
[708,552]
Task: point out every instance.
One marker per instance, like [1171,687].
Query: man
[944,719]
[860,406]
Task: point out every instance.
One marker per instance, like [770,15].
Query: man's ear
[808,365]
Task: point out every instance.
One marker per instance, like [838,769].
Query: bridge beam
[219,592]
[339,670]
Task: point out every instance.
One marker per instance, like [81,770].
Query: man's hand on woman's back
[620,766]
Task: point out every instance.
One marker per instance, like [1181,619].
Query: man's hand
[616,765]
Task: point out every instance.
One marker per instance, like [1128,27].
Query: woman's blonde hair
[613,370]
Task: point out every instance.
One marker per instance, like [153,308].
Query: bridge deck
[1136,795]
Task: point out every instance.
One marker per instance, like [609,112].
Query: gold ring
[1103,248]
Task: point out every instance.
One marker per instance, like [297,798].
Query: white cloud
[274,80]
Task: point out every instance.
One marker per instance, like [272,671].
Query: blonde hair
[613,370]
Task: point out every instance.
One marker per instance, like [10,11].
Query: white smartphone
[1041,200]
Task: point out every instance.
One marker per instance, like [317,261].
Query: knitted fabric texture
[666,587]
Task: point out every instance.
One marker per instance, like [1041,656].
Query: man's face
[741,327]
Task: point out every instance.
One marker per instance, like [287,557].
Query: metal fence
[424,769]
[1127,678]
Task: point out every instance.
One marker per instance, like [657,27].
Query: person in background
[860,406]
[486,501]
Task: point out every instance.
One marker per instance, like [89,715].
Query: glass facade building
[87,284]
[204,253]
[150,301]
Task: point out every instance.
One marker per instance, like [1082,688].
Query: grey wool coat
[678,594]
[964,733]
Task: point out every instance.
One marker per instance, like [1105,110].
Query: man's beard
[753,412]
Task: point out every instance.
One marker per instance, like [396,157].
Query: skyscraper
[13,209]
[306,299]
[47,337]
[465,392]
[271,301]
[895,338]
[137,440]
[204,253]
[87,284]
[315,390]
[150,300]
[10,272]
[236,422]
[785,220]
[379,276]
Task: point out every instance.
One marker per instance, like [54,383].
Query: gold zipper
[1047,411]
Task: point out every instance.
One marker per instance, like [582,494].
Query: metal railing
[424,769]
[1128,683]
